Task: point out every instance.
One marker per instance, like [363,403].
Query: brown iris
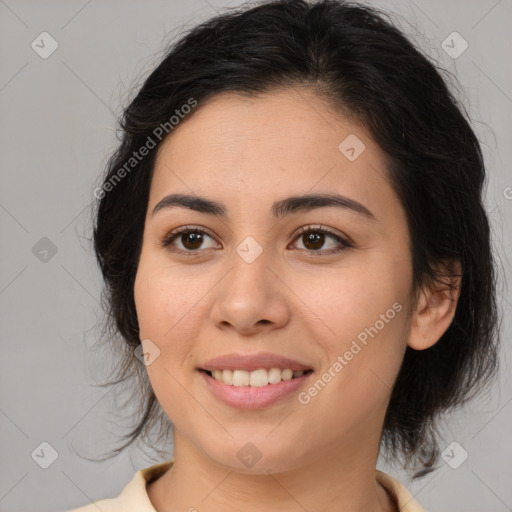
[317,239]
[194,237]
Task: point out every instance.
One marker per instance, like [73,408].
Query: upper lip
[250,362]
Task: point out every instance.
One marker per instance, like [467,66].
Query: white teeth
[274,375]
[287,374]
[256,378]
[240,378]
[227,376]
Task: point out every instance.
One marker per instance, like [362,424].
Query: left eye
[312,238]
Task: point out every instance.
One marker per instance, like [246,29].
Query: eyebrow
[290,205]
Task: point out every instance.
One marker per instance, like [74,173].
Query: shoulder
[133,497]
[403,498]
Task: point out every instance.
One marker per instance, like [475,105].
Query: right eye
[190,237]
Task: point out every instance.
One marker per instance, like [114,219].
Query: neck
[331,480]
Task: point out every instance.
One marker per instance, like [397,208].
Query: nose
[251,298]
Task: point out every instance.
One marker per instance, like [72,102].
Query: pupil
[317,239]
[195,238]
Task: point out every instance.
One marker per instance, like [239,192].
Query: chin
[256,456]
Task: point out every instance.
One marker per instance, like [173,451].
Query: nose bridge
[250,296]
[250,266]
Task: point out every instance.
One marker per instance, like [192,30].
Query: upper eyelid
[319,227]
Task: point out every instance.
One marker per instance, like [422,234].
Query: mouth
[260,377]
[257,389]
[253,380]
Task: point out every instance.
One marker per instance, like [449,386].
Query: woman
[294,244]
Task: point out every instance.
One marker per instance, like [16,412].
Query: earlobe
[435,311]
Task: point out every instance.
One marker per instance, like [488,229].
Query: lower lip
[249,397]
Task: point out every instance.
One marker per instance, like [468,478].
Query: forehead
[250,150]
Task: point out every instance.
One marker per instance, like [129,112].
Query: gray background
[58,123]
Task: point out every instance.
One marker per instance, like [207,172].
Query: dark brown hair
[355,56]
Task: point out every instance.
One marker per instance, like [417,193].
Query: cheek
[168,312]
[360,315]
[363,347]
[346,302]
[162,298]
[162,311]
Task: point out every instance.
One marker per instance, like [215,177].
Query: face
[320,283]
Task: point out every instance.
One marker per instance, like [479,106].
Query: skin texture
[292,301]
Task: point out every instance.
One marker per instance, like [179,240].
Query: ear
[435,309]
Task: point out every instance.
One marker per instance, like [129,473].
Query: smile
[243,394]
[257,378]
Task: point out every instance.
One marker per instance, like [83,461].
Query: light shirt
[134,497]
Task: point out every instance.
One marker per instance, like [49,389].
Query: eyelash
[170,237]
